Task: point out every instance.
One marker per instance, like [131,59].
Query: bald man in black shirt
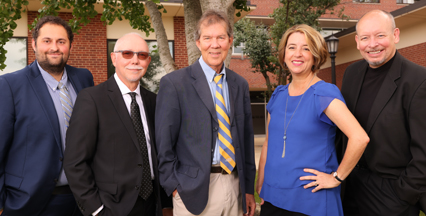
[387,94]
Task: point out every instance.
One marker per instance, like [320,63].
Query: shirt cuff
[97,211]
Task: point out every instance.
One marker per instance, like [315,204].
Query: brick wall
[264,7]
[355,10]
[416,54]
[181,54]
[89,47]
[243,68]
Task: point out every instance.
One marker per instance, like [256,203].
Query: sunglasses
[127,54]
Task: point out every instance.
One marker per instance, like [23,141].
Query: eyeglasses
[127,54]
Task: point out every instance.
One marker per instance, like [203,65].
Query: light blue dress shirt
[210,74]
[52,86]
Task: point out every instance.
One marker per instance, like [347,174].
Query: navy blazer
[30,140]
[186,132]
[396,125]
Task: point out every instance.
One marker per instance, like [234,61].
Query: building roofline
[396,14]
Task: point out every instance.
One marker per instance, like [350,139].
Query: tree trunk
[192,10]
[230,12]
[226,6]
[268,85]
[160,33]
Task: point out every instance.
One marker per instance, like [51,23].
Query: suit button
[55,180]
[61,159]
[215,129]
[139,165]
[137,187]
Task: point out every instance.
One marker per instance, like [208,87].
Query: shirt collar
[50,80]
[123,88]
[209,72]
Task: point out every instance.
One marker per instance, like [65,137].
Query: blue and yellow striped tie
[227,152]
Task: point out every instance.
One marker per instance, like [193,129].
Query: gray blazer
[186,132]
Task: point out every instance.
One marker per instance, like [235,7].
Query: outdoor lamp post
[332,44]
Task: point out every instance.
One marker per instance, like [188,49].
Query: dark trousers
[141,208]
[60,204]
[367,194]
[267,209]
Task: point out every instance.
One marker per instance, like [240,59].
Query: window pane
[16,56]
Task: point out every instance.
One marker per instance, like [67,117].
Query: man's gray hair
[213,17]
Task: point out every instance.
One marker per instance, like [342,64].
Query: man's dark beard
[52,68]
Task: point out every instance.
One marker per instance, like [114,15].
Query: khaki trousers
[224,197]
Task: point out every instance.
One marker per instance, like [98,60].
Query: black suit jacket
[102,158]
[30,139]
[186,132]
[396,125]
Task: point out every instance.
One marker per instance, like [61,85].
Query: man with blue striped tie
[204,130]
[35,106]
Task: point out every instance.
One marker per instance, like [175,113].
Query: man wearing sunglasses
[202,111]
[33,124]
[111,157]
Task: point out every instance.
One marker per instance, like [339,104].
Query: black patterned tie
[146,184]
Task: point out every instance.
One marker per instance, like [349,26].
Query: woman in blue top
[298,169]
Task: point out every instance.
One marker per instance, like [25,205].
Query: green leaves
[10,12]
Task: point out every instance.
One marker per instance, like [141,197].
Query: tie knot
[218,78]
[133,95]
[60,85]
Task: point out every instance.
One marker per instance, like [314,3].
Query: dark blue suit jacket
[30,141]
[186,129]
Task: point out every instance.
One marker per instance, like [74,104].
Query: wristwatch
[337,177]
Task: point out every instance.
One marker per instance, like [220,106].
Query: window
[405,1]
[16,56]
[367,1]
[149,81]
[238,50]
[258,109]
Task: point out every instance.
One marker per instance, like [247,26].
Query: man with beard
[36,103]
[387,94]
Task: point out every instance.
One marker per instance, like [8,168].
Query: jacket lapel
[149,113]
[40,90]
[358,80]
[233,92]
[386,91]
[201,87]
[117,100]
[72,76]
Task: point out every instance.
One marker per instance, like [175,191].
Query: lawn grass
[256,196]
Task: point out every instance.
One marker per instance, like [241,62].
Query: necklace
[285,114]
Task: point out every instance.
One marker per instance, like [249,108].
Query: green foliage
[241,5]
[149,80]
[257,46]
[9,13]
[298,12]
[261,43]
[82,12]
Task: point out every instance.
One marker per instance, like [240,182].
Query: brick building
[96,40]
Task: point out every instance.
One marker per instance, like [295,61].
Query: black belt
[64,189]
[218,169]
